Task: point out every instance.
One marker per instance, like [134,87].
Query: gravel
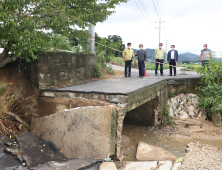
[202,156]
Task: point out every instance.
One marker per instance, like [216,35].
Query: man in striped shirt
[205,55]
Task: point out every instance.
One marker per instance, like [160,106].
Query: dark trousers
[161,66]
[172,62]
[141,68]
[128,64]
[205,62]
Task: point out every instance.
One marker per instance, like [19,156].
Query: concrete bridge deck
[125,99]
[126,86]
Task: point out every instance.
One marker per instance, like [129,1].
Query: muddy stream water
[149,135]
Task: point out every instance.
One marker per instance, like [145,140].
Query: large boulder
[83,131]
[146,152]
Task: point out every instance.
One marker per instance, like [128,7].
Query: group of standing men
[172,59]
[128,57]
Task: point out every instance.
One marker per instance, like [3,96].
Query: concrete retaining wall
[55,68]
[86,131]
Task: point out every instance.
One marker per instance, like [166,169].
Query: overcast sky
[188,24]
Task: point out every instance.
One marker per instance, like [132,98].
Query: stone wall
[86,131]
[57,68]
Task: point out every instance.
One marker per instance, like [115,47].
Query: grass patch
[152,66]
[187,67]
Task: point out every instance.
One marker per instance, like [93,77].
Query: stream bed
[148,135]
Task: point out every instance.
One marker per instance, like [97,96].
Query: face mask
[204,47]
[161,46]
[172,48]
[141,48]
[128,46]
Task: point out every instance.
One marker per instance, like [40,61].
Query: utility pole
[165,58]
[160,27]
[91,46]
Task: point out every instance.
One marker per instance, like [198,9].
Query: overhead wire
[144,9]
[136,10]
[141,12]
[156,9]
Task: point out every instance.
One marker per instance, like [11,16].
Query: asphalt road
[123,85]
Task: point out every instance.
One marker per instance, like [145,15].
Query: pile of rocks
[202,156]
[185,106]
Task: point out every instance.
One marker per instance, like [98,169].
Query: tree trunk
[7,60]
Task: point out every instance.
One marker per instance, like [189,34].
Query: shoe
[175,75]
[170,75]
[156,74]
[162,75]
[125,76]
[142,77]
[138,76]
[129,75]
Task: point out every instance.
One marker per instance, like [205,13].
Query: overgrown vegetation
[211,89]
[60,42]
[10,122]
[171,94]
[101,67]
[187,67]
[165,116]
[106,55]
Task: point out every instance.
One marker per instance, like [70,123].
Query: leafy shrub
[101,60]
[211,89]
[98,70]
[109,70]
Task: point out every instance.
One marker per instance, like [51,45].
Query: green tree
[60,42]
[27,26]
[117,40]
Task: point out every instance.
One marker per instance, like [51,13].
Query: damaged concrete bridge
[87,119]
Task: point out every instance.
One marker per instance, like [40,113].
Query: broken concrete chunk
[146,152]
[166,166]
[83,131]
[108,166]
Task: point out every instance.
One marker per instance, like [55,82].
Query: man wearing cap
[128,56]
[205,55]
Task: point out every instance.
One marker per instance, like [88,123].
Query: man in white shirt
[172,59]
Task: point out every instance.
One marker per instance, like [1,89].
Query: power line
[156,9]
[136,10]
[140,10]
[144,8]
